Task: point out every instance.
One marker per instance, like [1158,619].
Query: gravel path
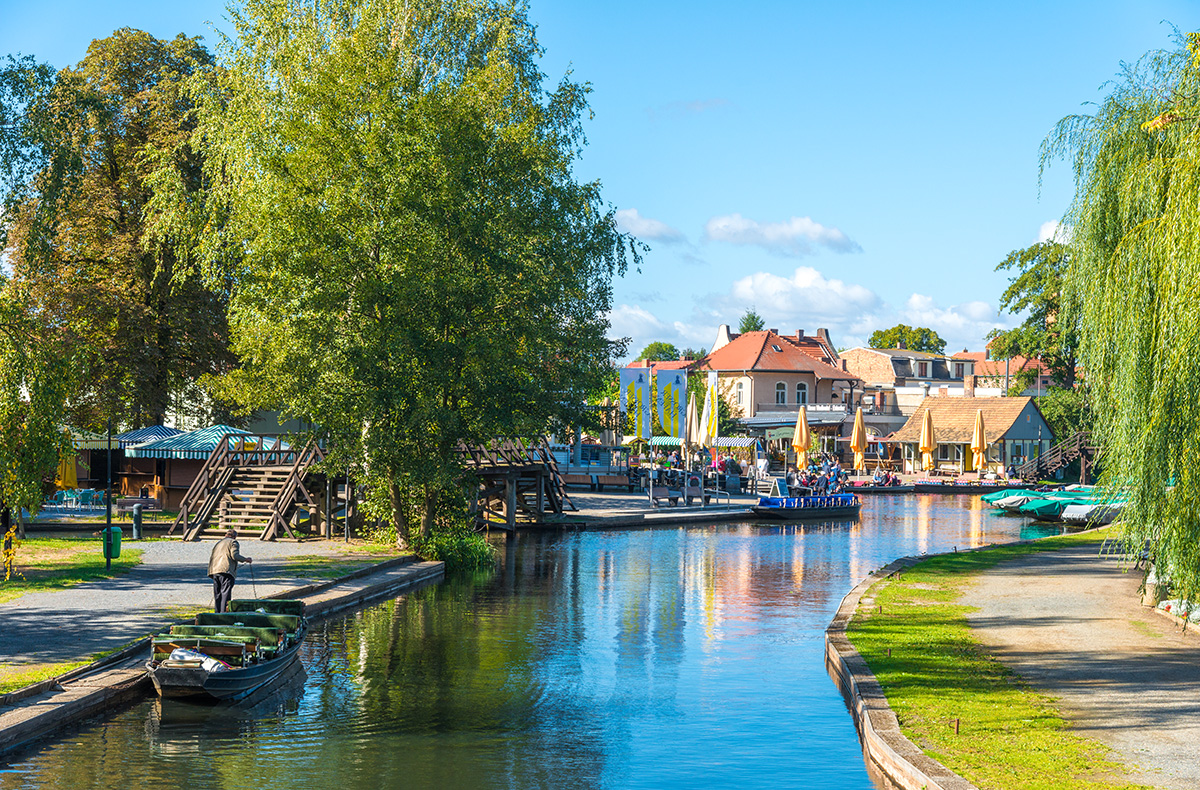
[72,624]
[1072,625]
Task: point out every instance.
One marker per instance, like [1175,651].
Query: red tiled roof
[669,364]
[757,351]
[995,367]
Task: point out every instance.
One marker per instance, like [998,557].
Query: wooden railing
[1058,456]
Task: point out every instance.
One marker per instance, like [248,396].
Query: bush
[460,547]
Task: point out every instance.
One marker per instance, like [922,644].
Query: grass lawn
[54,563]
[18,676]
[1010,736]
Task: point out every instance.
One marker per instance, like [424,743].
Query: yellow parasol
[66,477]
[802,439]
[928,440]
[979,443]
[858,441]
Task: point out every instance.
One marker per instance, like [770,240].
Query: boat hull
[228,686]
[808,507]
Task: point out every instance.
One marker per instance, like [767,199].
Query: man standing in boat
[222,569]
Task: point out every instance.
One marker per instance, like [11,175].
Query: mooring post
[510,501]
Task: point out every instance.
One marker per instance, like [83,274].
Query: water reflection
[687,657]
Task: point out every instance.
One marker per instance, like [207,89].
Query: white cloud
[806,294]
[797,236]
[643,327]
[962,326]
[645,228]
[1055,230]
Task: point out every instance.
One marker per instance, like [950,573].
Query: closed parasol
[979,443]
[928,441]
[858,441]
[802,439]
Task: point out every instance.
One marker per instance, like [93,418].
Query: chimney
[799,334]
[843,364]
[969,386]
[900,343]
[773,331]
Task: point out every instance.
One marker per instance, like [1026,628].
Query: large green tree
[914,338]
[87,154]
[1135,268]
[414,264]
[1050,331]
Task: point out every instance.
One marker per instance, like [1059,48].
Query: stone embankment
[43,709]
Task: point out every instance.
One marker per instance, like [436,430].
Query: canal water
[687,657]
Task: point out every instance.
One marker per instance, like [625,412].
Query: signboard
[635,400]
[672,401]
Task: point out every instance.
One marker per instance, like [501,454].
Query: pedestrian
[222,569]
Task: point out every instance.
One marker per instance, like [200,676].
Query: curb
[884,745]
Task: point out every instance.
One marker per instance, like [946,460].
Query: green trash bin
[112,542]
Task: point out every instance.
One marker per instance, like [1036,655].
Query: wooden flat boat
[808,507]
[226,657]
[874,489]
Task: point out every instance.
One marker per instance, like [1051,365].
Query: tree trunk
[427,511]
[399,515]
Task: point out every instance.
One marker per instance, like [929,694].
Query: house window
[943,452]
[923,370]
[781,393]
[741,389]
[802,393]
[958,370]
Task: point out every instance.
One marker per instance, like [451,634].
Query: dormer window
[923,370]
[958,370]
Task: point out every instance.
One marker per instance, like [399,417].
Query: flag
[635,399]
[672,401]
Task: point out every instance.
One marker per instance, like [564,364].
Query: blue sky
[841,165]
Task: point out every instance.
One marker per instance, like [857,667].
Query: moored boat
[781,504]
[227,656]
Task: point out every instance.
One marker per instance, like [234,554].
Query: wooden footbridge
[517,482]
[262,483]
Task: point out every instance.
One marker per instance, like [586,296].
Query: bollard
[137,521]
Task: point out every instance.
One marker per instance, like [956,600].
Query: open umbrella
[802,439]
[979,443]
[928,441]
[858,441]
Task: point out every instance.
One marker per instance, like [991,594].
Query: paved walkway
[75,623]
[1072,625]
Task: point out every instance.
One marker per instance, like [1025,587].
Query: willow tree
[415,263]
[1136,271]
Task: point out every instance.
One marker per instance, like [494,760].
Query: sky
[847,165]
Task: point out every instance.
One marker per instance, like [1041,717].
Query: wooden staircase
[251,482]
[1079,445]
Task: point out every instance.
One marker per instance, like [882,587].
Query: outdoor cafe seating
[75,499]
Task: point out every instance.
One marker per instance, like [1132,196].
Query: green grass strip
[1010,737]
[44,564]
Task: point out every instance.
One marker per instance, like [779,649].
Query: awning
[148,434]
[197,445]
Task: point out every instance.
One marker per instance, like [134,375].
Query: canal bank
[1111,685]
[37,712]
[689,655]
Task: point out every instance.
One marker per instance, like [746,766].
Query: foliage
[414,263]
[1135,270]
[35,379]
[751,322]
[693,353]
[659,351]
[1050,332]
[934,671]
[1066,411]
[91,159]
[917,338]
[460,547]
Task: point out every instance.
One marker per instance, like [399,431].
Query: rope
[253,581]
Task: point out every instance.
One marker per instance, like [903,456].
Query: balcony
[823,408]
